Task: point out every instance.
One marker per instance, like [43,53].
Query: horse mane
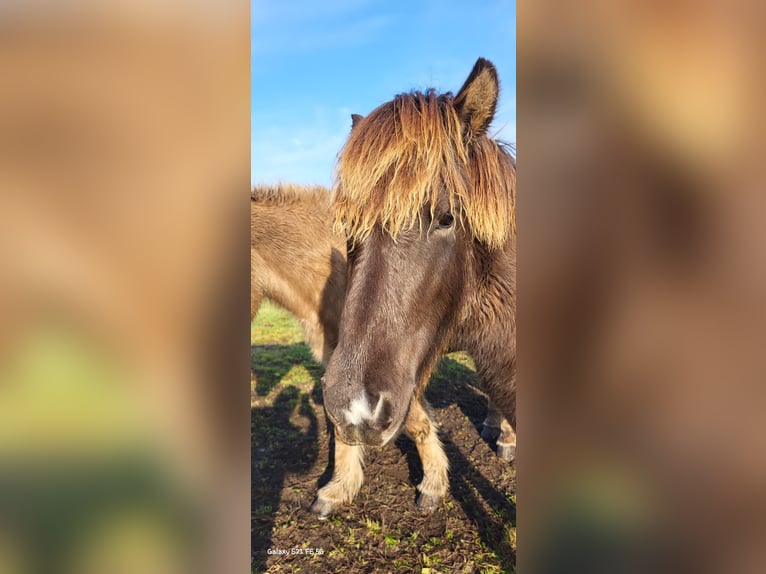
[289,193]
[402,156]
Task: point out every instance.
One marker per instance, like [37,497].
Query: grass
[278,356]
[274,326]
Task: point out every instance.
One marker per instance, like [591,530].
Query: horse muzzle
[364,422]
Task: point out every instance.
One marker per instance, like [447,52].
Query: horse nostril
[383,418]
[367,418]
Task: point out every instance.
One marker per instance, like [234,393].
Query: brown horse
[297,261]
[427,200]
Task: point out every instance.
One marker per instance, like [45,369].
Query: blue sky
[316,62]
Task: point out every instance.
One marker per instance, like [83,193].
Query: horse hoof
[506,451]
[490,433]
[322,509]
[427,503]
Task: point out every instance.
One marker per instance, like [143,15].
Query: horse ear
[355,119]
[477,99]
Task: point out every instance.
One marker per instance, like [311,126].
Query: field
[474,529]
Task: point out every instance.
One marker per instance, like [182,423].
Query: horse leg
[347,478]
[492,423]
[506,442]
[255,302]
[496,426]
[498,378]
[256,285]
[422,430]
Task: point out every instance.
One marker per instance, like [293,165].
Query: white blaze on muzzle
[359,410]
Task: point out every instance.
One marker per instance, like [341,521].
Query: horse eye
[446,220]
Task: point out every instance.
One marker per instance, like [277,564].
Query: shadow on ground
[269,364]
[382,530]
[280,446]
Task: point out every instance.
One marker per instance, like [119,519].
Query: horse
[427,202]
[299,261]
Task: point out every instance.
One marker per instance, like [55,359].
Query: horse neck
[314,297]
[304,270]
[490,286]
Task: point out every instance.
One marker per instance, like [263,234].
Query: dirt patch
[382,530]
[473,530]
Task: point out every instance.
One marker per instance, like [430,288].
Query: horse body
[297,261]
[427,201]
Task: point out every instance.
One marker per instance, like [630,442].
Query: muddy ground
[474,529]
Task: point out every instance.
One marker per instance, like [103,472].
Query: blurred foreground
[642,287]
[123,234]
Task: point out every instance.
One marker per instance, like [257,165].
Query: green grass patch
[373,526]
[273,325]
[278,354]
